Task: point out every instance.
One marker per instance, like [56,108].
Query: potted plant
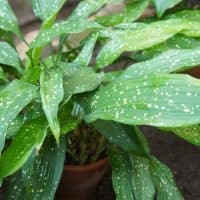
[49,103]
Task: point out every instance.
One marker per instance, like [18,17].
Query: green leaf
[169,61]
[190,134]
[70,26]
[45,170]
[87,7]
[51,90]
[29,137]
[85,55]
[8,20]
[6,36]
[163,100]
[111,76]
[166,188]
[3,76]
[131,177]
[191,15]
[134,9]
[46,9]
[14,126]
[141,38]
[176,42]
[8,56]
[128,138]
[163,5]
[79,81]
[11,103]
[40,176]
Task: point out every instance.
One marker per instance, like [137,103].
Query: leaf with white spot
[47,9]
[141,38]
[190,134]
[8,21]
[167,62]
[51,90]
[111,76]
[13,98]
[131,176]
[134,9]
[163,5]
[87,7]
[128,138]
[70,26]
[29,137]
[163,100]
[8,56]
[40,176]
[162,177]
[79,81]
[176,42]
[83,59]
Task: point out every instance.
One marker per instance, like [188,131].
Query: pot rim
[87,167]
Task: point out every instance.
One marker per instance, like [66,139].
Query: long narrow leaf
[51,90]
[166,188]
[13,99]
[142,38]
[131,176]
[70,26]
[46,9]
[30,135]
[169,61]
[8,21]
[162,100]
[8,56]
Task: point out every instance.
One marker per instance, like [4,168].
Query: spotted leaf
[29,137]
[39,177]
[166,188]
[162,100]
[83,59]
[8,20]
[13,98]
[169,61]
[190,134]
[131,176]
[163,5]
[8,56]
[46,9]
[128,138]
[134,9]
[141,38]
[192,16]
[178,41]
[51,90]
[70,26]
[87,7]
[79,81]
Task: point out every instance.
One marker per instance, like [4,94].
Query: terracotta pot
[195,72]
[79,182]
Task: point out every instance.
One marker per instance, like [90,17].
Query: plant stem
[99,150]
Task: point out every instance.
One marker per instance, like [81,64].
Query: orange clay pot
[80,182]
